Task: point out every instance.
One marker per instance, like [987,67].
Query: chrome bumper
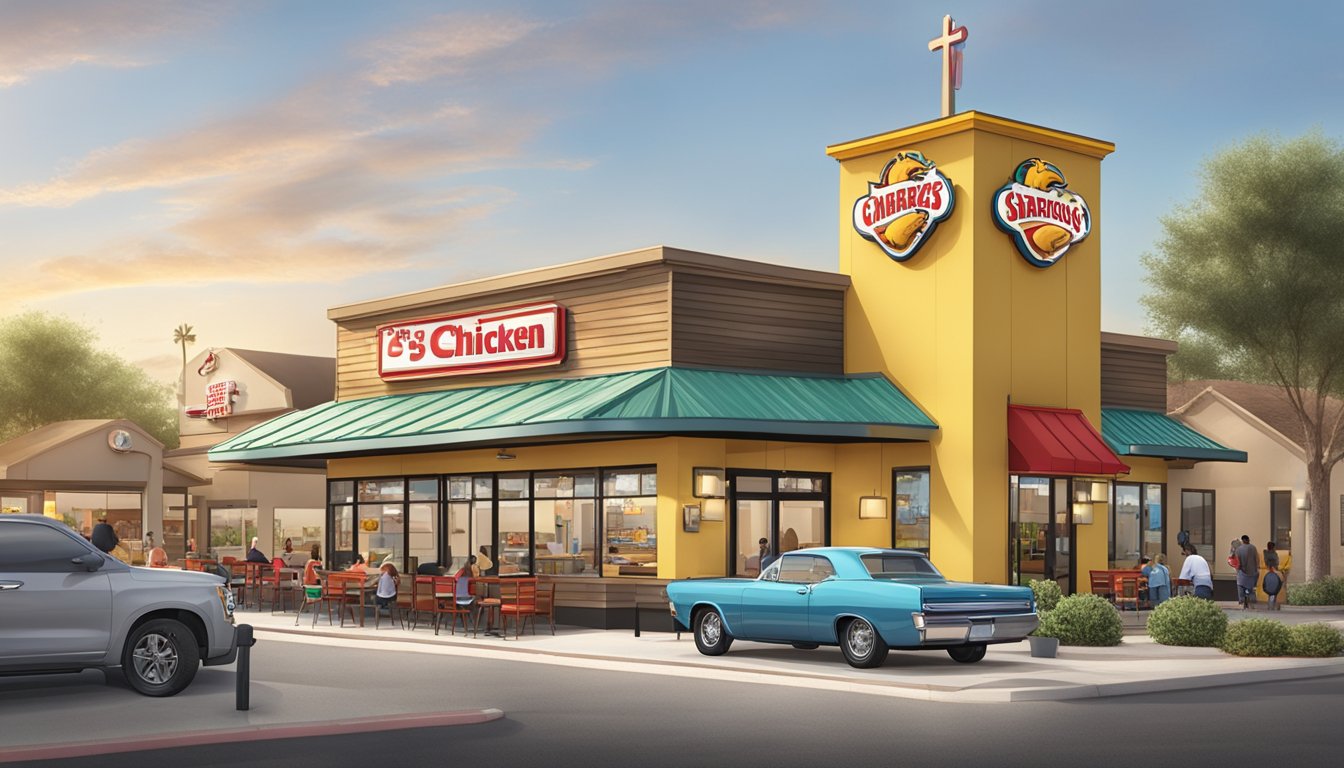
[955,630]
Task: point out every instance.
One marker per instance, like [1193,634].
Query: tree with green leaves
[1249,278]
[51,369]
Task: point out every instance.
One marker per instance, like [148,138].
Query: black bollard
[244,669]
[636,619]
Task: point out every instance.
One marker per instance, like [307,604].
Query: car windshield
[893,565]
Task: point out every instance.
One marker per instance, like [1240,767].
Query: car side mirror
[90,562]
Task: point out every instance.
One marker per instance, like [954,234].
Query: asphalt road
[558,716]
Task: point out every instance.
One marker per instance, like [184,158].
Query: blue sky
[244,166]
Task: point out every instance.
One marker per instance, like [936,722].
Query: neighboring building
[226,392]
[651,415]
[84,470]
[1260,499]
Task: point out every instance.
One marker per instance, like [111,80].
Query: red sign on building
[503,339]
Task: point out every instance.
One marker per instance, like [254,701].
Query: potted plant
[1044,644]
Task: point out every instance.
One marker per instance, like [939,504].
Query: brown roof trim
[672,257]
[1127,341]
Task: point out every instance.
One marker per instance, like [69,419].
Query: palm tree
[182,335]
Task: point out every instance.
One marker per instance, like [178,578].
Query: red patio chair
[517,598]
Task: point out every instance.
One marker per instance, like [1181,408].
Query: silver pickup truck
[65,606]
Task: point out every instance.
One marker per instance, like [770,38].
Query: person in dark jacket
[103,537]
[1248,572]
[255,555]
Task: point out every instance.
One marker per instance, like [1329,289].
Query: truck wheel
[160,658]
[710,635]
[967,654]
[862,646]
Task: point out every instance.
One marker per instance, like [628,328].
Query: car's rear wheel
[160,658]
[862,646]
[806,646]
[967,654]
[711,637]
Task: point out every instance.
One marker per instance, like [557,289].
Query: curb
[905,690]
[250,733]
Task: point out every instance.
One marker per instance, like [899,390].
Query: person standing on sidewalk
[1248,572]
[104,537]
[1273,583]
[1195,570]
[1159,580]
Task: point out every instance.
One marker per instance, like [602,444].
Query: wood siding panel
[733,323]
[616,322]
[1132,378]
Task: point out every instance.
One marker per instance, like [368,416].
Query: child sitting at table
[388,579]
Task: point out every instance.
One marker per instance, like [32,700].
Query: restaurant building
[651,415]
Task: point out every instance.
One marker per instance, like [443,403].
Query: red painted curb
[251,733]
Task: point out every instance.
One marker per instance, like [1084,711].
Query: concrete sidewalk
[1008,672]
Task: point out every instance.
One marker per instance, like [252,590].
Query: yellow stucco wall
[967,326]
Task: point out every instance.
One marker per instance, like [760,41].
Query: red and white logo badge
[900,211]
[1044,217]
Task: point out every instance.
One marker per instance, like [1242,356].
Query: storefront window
[565,521]
[231,531]
[630,509]
[1153,521]
[342,492]
[1280,519]
[343,537]
[1197,517]
[13,505]
[381,490]
[911,506]
[753,524]
[515,545]
[381,534]
[302,527]
[1125,525]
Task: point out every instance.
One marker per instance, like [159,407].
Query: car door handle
[803,590]
[4,585]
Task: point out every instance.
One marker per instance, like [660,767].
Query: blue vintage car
[865,600]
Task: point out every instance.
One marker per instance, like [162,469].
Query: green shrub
[1047,594]
[1082,619]
[1326,591]
[1189,621]
[1316,640]
[1258,637]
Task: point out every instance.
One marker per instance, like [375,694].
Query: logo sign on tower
[1043,216]
[499,340]
[903,207]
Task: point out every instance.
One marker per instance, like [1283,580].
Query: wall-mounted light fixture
[872,507]
[707,483]
[1082,513]
[713,509]
[1304,504]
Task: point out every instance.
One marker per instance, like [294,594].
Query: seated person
[483,560]
[428,569]
[289,546]
[310,569]
[157,558]
[462,589]
[388,580]
[615,557]
[255,555]
[358,566]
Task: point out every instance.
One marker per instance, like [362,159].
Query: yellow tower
[996,303]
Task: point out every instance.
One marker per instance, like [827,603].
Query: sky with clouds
[243,166]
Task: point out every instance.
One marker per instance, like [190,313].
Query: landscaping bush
[1258,637]
[1327,591]
[1082,619]
[1047,594]
[1315,640]
[1189,621]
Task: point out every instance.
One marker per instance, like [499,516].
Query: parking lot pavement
[1008,672]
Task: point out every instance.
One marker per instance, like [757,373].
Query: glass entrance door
[1040,531]
[788,510]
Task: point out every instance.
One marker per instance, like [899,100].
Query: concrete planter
[1043,647]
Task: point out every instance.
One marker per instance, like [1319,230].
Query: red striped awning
[1057,441]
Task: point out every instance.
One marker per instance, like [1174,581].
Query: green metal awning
[661,401]
[1132,432]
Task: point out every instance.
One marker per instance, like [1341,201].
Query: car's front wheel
[967,654]
[711,637]
[160,658]
[862,646]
